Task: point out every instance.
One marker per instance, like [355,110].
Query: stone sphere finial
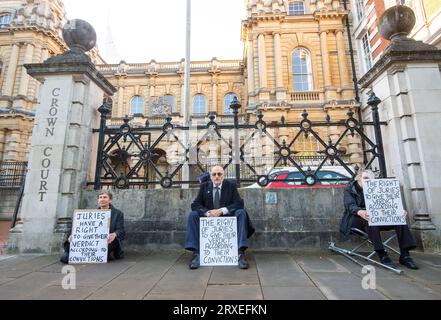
[396,22]
[80,34]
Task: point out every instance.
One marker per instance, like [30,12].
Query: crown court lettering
[46,161]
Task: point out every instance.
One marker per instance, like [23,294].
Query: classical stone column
[407,80]
[44,57]
[60,152]
[12,146]
[250,68]
[8,85]
[2,143]
[263,81]
[342,61]
[325,58]
[280,88]
[182,84]
[214,94]
[120,102]
[24,80]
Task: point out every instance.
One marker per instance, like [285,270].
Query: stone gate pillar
[407,79]
[61,143]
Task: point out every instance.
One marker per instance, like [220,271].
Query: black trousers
[114,251]
[405,238]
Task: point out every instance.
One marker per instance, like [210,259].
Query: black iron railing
[134,156]
[12,174]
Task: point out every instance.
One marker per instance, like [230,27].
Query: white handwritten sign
[383,202]
[90,232]
[218,241]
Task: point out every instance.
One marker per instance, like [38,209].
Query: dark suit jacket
[230,199]
[117,223]
[353,201]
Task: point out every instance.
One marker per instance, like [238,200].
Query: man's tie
[216,199]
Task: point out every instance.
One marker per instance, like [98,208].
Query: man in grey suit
[217,197]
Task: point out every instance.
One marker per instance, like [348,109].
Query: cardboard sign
[90,232]
[218,241]
[383,202]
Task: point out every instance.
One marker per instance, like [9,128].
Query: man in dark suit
[356,216]
[116,230]
[216,198]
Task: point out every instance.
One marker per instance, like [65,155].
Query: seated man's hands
[70,238]
[215,213]
[405,214]
[112,237]
[363,214]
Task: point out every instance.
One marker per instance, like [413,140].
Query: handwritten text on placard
[90,231]
[383,202]
[218,241]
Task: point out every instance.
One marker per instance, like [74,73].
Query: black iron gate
[129,155]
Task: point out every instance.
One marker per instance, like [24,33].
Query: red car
[325,179]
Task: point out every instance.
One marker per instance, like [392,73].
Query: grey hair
[105,192]
[361,171]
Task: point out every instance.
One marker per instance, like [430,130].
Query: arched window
[169,101]
[227,101]
[301,70]
[199,104]
[137,105]
[5,20]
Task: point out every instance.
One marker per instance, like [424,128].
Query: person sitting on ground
[217,197]
[356,216]
[116,230]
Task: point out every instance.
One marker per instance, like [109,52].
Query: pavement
[164,275]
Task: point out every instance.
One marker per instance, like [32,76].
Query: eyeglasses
[219,174]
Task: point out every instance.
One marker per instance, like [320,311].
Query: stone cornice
[330,14]
[41,70]
[38,29]
[403,52]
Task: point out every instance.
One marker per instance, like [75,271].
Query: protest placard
[383,202]
[90,232]
[218,241]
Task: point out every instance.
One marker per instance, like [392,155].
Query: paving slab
[28,286]
[339,285]
[406,290]
[233,292]
[154,262]
[234,275]
[127,287]
[58,293]
[100,274]
[292,293]
[280,270]
[182,283]
[319,264]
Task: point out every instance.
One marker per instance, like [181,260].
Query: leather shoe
[243,263]
[65,258]
[386,260]
[408,262]
[194,264]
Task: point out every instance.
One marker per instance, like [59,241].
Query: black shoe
[194,264]
[243,263]
[65,258]
[408,262]
[111,256]
[386,260]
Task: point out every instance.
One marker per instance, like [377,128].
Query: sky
[143,30]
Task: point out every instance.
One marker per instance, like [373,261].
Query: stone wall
[300,219]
